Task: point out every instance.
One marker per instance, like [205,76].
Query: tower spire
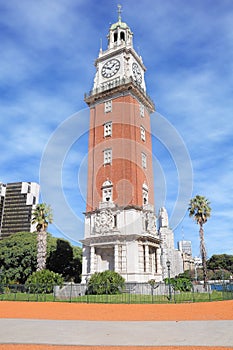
[119,11]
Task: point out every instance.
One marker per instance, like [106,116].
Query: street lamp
[169,276]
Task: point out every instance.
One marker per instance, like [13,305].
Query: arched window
[115,37]
[107,191]
[144,194]
[122,36]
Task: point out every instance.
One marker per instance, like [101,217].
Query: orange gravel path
[222,310]
[55,347]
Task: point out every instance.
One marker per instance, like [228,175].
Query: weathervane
[119,12]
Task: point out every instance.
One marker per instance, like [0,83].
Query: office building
[18,201]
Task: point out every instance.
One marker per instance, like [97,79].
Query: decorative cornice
[120,238]
[119,85]
[116,207]
[113,208]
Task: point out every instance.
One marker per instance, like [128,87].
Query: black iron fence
[132,293]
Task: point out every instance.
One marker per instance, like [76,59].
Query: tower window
[107,195]
[144,160]
[108,129]
[108,156]
[107,191]
[122,36]
[144,194]
[143,133]
[115,36]
[145,197]
[115,220]
[142,110]
[108,106]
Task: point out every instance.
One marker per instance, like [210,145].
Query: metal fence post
[71,284]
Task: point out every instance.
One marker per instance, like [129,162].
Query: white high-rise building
[17,203]
[185,247]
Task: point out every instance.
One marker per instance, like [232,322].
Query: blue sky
[47,58]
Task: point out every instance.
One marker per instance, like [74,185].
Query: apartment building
[17,202]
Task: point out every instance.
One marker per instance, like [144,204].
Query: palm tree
[199,209]
[42,216]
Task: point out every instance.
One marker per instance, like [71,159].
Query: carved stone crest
[104,221]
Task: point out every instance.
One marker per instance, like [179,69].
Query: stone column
[147,258]
[92,260]
[124,258]
[116,258]
[158,257]
[84,264]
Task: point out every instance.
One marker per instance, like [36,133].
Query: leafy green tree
[187,274]
[106,282]
[66,260]
[220,262]
[77,264]
[199,209]
[42,216]
[18,254]
[18,258]
[219,274]
[43,281]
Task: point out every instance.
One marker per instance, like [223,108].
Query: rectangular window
[144,160]
[144,258]
[108,106]
[107,195]
[142,110]
[108,129]
[143,133]
[115,220]
[108,156]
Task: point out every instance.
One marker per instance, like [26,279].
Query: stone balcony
[119,85]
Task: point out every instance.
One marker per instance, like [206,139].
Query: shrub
[43,281]
[181,284]
[106,282]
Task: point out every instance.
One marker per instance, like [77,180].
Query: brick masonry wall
[125,172]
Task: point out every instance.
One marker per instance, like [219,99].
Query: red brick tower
[120,228]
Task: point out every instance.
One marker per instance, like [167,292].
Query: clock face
[137,73]
[110,68]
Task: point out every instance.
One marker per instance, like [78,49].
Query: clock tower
[120,223]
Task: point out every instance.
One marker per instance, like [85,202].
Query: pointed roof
[119,23]
[122,25]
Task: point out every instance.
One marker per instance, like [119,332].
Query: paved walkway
[121,333]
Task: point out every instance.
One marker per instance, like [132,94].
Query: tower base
[128,244]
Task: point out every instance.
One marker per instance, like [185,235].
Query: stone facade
[170,254]
[125,241]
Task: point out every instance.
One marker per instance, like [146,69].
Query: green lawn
[124,298]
